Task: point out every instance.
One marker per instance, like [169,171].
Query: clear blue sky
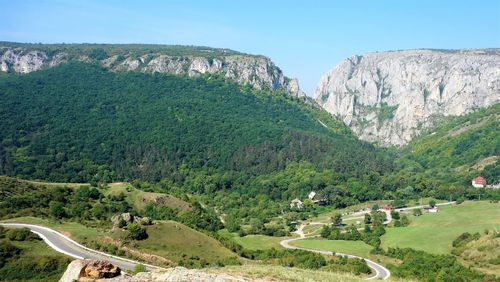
[304,38]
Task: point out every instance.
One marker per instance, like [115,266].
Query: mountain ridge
[390,97]
[256,70]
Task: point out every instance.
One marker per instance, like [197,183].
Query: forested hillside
[78,122]
[449,155]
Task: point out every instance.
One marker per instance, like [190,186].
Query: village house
[479,182]
[430,209]
[296,203]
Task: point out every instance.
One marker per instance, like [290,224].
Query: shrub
[135,232]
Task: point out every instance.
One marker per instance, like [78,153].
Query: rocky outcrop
[257,71]
[85,270]
[89,270]
[389,97]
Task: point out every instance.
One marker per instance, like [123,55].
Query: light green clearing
[256,242]
[434,232]
[358,248]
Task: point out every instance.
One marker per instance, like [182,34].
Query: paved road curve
[67,246]
[380,271]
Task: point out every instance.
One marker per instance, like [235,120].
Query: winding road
[380,271]
[67,246]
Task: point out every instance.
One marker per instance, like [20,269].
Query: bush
[139,268]
[135,232]
[21,234]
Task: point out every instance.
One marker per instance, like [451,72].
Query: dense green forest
[80,123]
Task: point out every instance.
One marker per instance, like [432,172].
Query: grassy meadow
[434,233]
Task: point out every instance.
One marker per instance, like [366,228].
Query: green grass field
[358,248]
[434,233]
[256,242]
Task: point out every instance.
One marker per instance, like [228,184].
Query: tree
[136,232]
[353,233]
[368,218]
[325,231]
[397,223]
[337,219]
[334,234]
[432,203]
[405,221]
[375,207]
[232,225]
[395,215]
[417,212]
[56,209]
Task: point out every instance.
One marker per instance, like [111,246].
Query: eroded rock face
[257,71]
[89,270]
[389,97]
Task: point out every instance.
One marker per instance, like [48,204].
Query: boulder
[89,270]
[96,269]
[125,217]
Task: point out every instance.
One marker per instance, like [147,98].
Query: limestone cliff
[389,97]
[257,71]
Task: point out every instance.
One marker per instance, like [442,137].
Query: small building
[296,203]
[388,208]
[311,195]
[430,209]
[479,182]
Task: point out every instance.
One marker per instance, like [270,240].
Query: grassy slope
[434,233]
[135,197]
[139,199]
[480,254]
[175,241]
[164,239]
[256,242]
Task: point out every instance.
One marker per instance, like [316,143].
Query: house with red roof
[479,182]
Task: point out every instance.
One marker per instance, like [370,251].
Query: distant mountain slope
[390,97]
[258,71]
[457,150]
[79,122]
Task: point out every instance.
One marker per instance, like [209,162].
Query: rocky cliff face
[389,97]
[257,71]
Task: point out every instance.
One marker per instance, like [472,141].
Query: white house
[296,203]
[311,195]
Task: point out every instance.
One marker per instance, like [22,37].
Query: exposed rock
[89,270]
[257,71]
[73,271]
[389,97]
[145,220]
[100,269]
[85,270]
[125,217]
[183,274]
